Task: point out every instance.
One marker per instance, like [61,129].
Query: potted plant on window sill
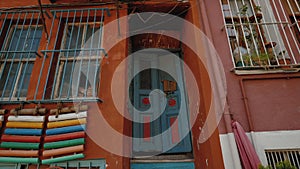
[283,59]
[261,60]
[280,165]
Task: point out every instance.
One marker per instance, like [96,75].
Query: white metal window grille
[276,156]
[292,7]
[21,33]
[83,164]
[260,33]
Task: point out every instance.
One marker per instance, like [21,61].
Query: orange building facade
[147,84]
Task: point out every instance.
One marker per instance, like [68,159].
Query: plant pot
[286,64]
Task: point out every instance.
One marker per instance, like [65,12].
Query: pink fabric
[247,153]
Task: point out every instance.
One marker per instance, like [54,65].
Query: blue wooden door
[162,109]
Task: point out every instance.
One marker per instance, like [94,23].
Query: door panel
[175,102]
[143,85]
[160,108]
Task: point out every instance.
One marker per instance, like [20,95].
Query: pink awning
[247,153]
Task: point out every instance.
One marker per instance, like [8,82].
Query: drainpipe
[235,159]
[249,117]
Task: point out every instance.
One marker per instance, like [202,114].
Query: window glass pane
[86,79]
[15,43]
[89,32]
[73,40]
[93,40]
[145,79]
[7,79]
[33,41]
[145,76]
[83,81]
[65,82]
[24,80]
[24,40]
[92,35]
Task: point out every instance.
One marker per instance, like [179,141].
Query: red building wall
[206,155]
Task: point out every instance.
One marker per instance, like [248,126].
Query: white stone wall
[261,141]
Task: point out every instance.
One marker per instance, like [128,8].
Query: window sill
[77,99]
[62,100]
[264,70]
[20,99]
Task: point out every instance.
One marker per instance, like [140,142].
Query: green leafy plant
[285,165]
[243,10]
[280,165]
[257,9]
[257,60]
[264,167]
[263,58]
[250,36]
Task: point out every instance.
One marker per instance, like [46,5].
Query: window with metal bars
[13,166]
[20,34]
[82,164]
[78,72]
[292,8]
[259,35]
[69,59]
[276,156]
[78,164]
[80,54]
